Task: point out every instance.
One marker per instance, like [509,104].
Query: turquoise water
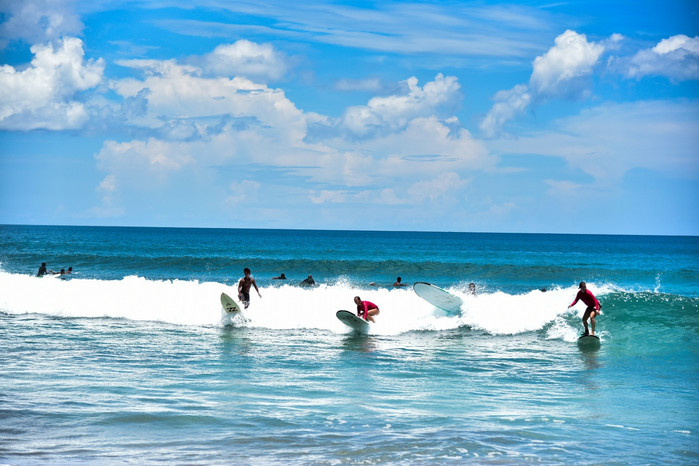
[133,360]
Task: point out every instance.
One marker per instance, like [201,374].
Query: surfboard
[589,342]
[228,304]
[353,321]
[438,297]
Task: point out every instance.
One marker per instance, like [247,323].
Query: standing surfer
[244,288]
[366,309]
[593,307]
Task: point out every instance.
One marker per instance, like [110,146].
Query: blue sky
[543,117]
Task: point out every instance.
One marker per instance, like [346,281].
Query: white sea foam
[286,307]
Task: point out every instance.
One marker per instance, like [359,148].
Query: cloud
[149,159]
[394,112]
[44,94]
[368,84]
[508,104]
[203,126]
[437,187]
[38,21]
[560,72]
[676,58]
[248,59]
[433,30]
[175,91]
[606,142]
[242,191]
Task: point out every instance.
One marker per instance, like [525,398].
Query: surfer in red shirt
[593,307]
[366,309]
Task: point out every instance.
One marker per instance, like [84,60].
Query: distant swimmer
[472,288]
[366,309]
[399,283]
[70,270]
[308,281]
[593,307]
[42,270]
[244,288]
[280,277]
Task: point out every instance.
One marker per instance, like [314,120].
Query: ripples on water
[115,390]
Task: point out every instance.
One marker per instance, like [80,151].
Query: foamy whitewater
[289,306]
[133,359]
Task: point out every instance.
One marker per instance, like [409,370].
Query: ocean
[133,360]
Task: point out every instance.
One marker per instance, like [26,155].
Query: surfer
[42,270]
[280,277]
[366,309]
[472,288]
[398,282]
[244,288]
[308,282]
[593,307]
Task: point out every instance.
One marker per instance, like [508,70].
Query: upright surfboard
[589,342]
[438,297]
[228,304]
[353,321]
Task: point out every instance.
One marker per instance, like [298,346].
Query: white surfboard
[353,321]
[228,304]
[589,342]
[438,297]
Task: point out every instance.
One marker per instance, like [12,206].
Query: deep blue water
[133,359]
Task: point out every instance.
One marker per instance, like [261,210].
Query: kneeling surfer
[366,309]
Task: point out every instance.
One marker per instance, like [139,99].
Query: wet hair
[582,284]
[246,270]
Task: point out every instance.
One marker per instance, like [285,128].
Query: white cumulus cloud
[391,113]
[571,58]
[676,57]
[38,21]
[44,94]
[248,59]
[560,72]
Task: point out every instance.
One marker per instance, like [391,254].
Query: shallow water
[116,366]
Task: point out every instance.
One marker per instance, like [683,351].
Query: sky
[469,116]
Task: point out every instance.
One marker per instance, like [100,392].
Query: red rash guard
[588,298]
[366,306]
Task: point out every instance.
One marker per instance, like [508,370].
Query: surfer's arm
[577,298]
[256,289]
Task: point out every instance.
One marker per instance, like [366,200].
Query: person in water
[280,277]
[593,307]
[244,288]
[399,283]
[472,288]
[308,281]
[366,309]
[42,270]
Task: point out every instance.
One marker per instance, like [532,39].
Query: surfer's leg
[593,314]
[370,314]
[584,321]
